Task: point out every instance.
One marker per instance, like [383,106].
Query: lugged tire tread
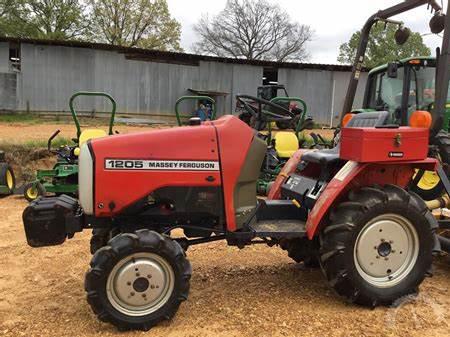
[121,245]
[343,221]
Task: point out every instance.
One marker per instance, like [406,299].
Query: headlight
[86,180]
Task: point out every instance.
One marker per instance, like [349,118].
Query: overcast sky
[333,21]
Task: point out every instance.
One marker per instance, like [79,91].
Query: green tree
[135,23]
[382,48]
[49,19]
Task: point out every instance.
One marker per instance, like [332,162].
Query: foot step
[279,229]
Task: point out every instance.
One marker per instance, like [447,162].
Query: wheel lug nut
[137,274]
[377,257]
[392,251]
[375,247]
[382,240]
[132,293]
[391,242]
[386,258]
[152,286]
[149,276]
[129,283]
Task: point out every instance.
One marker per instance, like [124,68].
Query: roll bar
[364,40]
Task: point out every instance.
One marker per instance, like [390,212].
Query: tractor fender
[355,175]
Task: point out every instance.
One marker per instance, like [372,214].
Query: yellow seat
[286,143]
[90,134]
[87,135]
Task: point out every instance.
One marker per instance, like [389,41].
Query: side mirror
[402,35]
[437,23]
[392,70]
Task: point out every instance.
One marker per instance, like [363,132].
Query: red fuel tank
[367,145]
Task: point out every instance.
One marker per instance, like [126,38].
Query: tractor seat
[90,134]
[329,157]
[286,144]
[325,157]
[368,119]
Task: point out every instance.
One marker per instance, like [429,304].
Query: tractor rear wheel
[430,187]
[138,280]
[7,177]
[378,245]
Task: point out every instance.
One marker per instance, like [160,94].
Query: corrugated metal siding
[51,74]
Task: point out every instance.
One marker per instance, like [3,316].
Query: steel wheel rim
[9,179]
[386,250]
[428,181]
[140,284]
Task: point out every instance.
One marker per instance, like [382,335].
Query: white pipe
[332,103]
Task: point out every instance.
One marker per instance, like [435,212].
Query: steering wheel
[259,115]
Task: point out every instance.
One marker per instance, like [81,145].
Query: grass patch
[20,118]
[36,144]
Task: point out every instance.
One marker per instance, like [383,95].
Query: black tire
[6,170]
[32,191]
[339,238]
[302,250]
[118,249]
[101,236]
[442,141]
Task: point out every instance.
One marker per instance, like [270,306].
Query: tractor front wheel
[32,191]
[138,280]
[378,245]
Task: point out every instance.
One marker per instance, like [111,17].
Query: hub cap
[386,250]
[140,284]
[32,192]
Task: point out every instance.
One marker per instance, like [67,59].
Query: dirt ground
[22,132]
[257,291]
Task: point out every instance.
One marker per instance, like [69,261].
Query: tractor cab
[403,87]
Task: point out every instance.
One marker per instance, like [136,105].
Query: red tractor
[347,208]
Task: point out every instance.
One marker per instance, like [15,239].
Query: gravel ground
[22,132]
[257,291]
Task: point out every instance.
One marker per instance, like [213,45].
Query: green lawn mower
[402,88]
[7,178]
[63,177]
[281,144]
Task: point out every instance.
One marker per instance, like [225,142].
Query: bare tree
[255,30]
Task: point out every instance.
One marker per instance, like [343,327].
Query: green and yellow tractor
[7,178]
[63,177]
[403,87]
